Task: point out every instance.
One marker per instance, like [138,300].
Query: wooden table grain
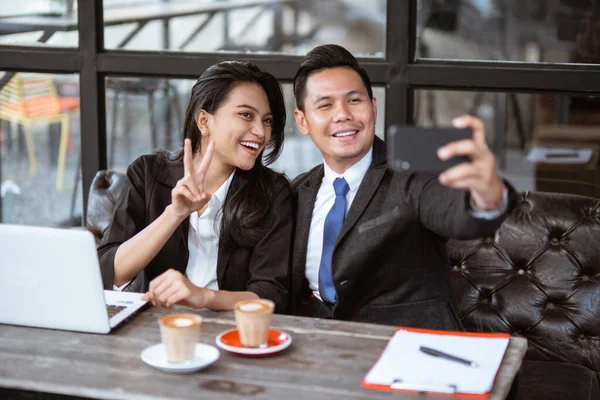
[327,360]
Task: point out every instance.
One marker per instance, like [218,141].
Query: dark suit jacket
[262,269]
[389,262]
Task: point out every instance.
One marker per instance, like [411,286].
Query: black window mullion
[34,59]
[93,108]
[400,51]
[518,77]
[400,35]
[181,65]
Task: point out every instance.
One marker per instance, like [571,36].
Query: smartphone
[415,149]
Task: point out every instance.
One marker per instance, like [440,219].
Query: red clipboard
[389,388]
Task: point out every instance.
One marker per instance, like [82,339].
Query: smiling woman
[211,212]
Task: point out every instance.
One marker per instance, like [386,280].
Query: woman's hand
[188,195]
[172,287]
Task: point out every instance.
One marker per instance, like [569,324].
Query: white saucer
[156,356]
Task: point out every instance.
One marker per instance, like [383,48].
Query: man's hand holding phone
[479,176]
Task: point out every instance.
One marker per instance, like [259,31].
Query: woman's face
[240,128]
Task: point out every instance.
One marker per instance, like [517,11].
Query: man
[370,242]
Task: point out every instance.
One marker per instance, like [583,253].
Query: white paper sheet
[555,155]
[403,363]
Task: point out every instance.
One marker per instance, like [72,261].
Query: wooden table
[327,360]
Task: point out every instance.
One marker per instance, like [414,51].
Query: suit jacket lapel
[222,261]
[307,195]
[367,188]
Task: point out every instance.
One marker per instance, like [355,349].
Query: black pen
[441,354]
[562,155]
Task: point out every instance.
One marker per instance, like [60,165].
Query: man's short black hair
[324,57]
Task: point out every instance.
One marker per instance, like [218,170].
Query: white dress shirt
[325,199]
[203,240]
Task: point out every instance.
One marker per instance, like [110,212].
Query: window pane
[39,22]
[39,150]
[271,26]
[145,114]
[556,31]
[541,142]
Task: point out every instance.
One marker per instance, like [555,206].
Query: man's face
[339,116]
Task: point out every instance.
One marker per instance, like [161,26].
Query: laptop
[51,279]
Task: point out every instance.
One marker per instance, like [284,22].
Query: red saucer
[276,342]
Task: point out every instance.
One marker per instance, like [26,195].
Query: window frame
[399,72]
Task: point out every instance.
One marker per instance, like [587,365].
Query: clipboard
[427,384]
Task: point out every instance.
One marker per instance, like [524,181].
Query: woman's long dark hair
[250,194]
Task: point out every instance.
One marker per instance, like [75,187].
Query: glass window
[39,23]
[39,149]
[556,31]
[145,114]
[265,26]
[142,115]
[541,142]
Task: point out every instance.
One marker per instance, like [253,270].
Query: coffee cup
[253,320]
[179,334]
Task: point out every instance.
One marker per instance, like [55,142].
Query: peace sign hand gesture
[188,195]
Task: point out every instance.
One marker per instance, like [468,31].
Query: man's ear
[374,104]
[202,121]
[301,121]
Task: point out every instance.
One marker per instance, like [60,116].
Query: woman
[210,225]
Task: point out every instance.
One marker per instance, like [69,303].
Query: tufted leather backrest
[539,277]
[106,189]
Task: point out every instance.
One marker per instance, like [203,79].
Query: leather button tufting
[539,279]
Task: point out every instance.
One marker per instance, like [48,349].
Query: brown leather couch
[106,188]
[539,278]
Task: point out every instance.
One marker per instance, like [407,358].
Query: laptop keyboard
[113,310]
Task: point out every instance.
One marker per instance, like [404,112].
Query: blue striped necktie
[332,228]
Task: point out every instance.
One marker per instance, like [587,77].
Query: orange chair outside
[28,99]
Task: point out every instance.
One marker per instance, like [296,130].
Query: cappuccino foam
[251,307]
[183,322]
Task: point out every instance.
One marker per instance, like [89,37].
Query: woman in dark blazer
[209,225]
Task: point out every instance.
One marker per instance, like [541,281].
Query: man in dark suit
[370,242]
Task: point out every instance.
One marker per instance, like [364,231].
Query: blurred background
[543,139]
